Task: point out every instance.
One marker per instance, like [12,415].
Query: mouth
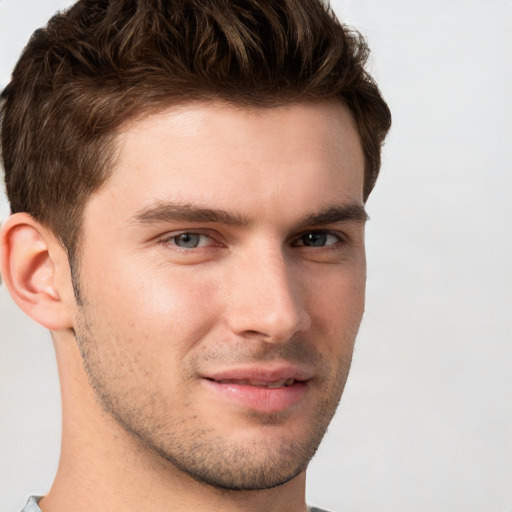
[283,383]
[266,390]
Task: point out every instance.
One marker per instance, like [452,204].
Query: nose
[266,300]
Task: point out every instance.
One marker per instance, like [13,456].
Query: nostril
[255,334]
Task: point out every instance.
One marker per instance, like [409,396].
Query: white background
[425,424]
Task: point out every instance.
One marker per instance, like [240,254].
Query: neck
[104,468]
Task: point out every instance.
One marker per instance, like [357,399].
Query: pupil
[315,239]
[187,240]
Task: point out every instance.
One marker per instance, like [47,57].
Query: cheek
[160,307]
[337,304]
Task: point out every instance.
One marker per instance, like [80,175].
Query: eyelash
[170,239]
[341,240]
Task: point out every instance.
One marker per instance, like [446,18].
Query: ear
[35,269]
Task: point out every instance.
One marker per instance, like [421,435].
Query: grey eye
[318,239]
[188,240]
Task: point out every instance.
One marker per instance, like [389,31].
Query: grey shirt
[32,504]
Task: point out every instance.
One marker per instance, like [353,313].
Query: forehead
[218,155]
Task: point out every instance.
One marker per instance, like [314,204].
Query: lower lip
[267,400]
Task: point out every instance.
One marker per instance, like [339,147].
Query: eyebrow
[354,212]
[167,211]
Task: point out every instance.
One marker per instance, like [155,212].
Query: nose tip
[267,302]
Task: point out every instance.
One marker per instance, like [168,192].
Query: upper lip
[265,373]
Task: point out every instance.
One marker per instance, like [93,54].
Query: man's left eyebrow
[353,212]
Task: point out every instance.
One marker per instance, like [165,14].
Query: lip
[237,386]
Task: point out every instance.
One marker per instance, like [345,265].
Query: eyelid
[168,237]
[216,238]
[342,237]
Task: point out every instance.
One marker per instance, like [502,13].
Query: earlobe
[32,261]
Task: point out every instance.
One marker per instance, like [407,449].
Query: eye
[189,240]
[318,239]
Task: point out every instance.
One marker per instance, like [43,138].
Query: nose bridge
[266,299]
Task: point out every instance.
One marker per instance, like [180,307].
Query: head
[79,79]
[204,166]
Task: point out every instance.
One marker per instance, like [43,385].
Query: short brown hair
[102,62]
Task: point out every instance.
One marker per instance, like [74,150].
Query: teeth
[277,384]
[260,384]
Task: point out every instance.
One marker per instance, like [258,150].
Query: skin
[174,294]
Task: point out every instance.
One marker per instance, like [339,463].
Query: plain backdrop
[425,423]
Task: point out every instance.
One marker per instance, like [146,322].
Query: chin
[269,455]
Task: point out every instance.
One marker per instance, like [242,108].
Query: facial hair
[202,449]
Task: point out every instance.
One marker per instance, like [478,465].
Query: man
[187,182]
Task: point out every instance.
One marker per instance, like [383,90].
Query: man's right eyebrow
[168,212]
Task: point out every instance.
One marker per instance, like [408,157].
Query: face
[222,278]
